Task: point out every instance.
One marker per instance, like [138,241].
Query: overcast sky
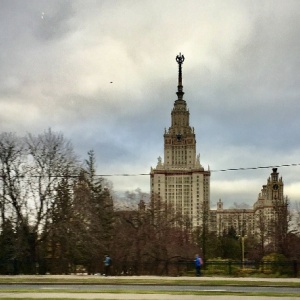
[104,74]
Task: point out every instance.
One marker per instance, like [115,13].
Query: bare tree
[262,232]
[51,158]
[152,236]
[13,191]
[13,196]
[280,224]
[31,170]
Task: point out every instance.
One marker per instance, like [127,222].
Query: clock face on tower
[275,187]
[178,137]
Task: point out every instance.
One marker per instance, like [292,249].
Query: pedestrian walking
[198,263]
[107,264]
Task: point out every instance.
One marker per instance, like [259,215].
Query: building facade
[180,179]
[266,219]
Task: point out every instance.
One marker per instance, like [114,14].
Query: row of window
[186,179]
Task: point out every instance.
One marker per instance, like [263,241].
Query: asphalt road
[147,287]
[63,291]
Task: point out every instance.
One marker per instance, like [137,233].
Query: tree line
[56,214]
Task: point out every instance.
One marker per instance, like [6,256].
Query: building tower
[180,179]
[271,212]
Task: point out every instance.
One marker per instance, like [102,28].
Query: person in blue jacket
[198,263]
[107,264]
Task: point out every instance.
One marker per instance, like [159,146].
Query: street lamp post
[243,251]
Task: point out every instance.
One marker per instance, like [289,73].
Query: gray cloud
[240,77]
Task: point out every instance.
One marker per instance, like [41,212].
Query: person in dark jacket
[107,264]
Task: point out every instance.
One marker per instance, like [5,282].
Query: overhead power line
[255,168]
[220,170]
[147,174]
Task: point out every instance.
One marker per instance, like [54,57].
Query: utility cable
[147,174]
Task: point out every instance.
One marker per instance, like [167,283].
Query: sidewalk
[135,280]
[135,296]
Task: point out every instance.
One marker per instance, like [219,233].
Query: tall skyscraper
[180,179]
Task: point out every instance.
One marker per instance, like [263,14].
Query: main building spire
[179,179]
[180,60]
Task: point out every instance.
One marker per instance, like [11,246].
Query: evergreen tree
[94,215]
